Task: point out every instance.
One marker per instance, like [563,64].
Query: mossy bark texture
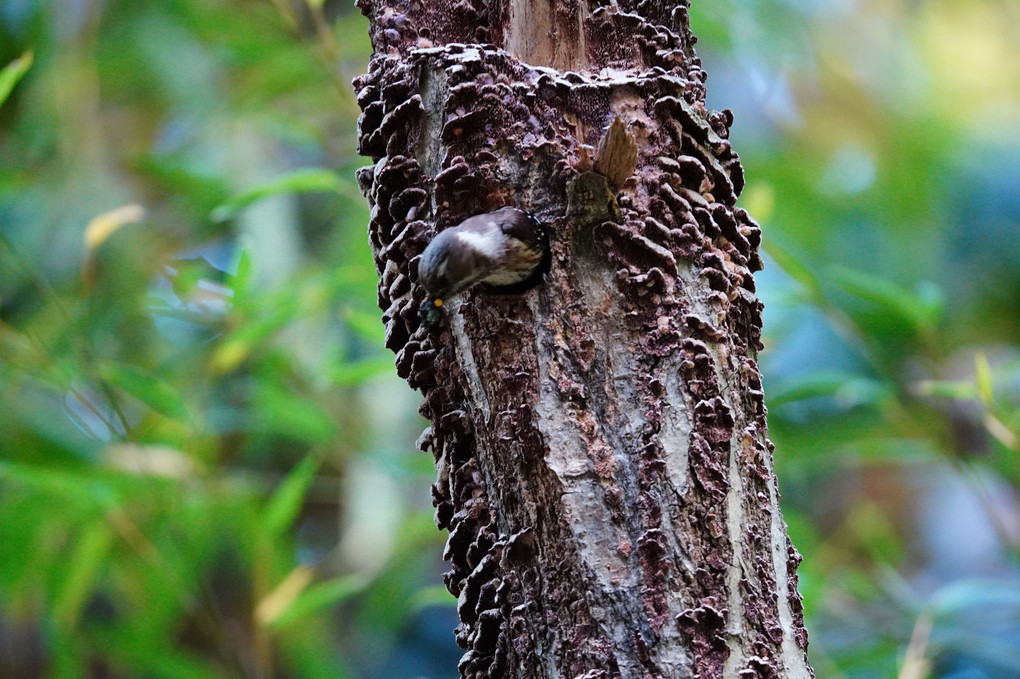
[600,440]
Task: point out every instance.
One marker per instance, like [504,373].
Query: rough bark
[600,441]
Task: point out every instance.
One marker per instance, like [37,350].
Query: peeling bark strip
[600,441]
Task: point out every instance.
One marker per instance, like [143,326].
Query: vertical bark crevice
[600,441]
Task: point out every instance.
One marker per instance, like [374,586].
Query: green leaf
[241,281]
[892,301]
[983,379]
[319,597]
[365,324]
[277,312]
[143,654]
[947,389]
[793,267]
[83,569]
[88,492]
[293,414]
[198,191]
[849,389]
[347,374]
[151,391]
[12,73]
[286,502]
[437,595]
[299,181]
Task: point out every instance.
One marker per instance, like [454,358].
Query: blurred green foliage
[881,140]
[205,465]
[192,388]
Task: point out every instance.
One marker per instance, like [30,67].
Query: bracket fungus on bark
[610,421]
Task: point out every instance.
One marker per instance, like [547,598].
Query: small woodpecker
[507,249]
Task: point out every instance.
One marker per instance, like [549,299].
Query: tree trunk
[600,440]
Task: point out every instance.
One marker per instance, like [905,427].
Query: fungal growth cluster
[610,421]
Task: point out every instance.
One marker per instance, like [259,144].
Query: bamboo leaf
[848,389]
[150,390]
[983,379]
[294,415]
[892,300]
[242,279]
[286,502]
[83,569]
[793,267]
[347,374]
[318,598]
[105,225]
[12,73]
[436,595]
[299,181]
[365,324]
[947,389]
